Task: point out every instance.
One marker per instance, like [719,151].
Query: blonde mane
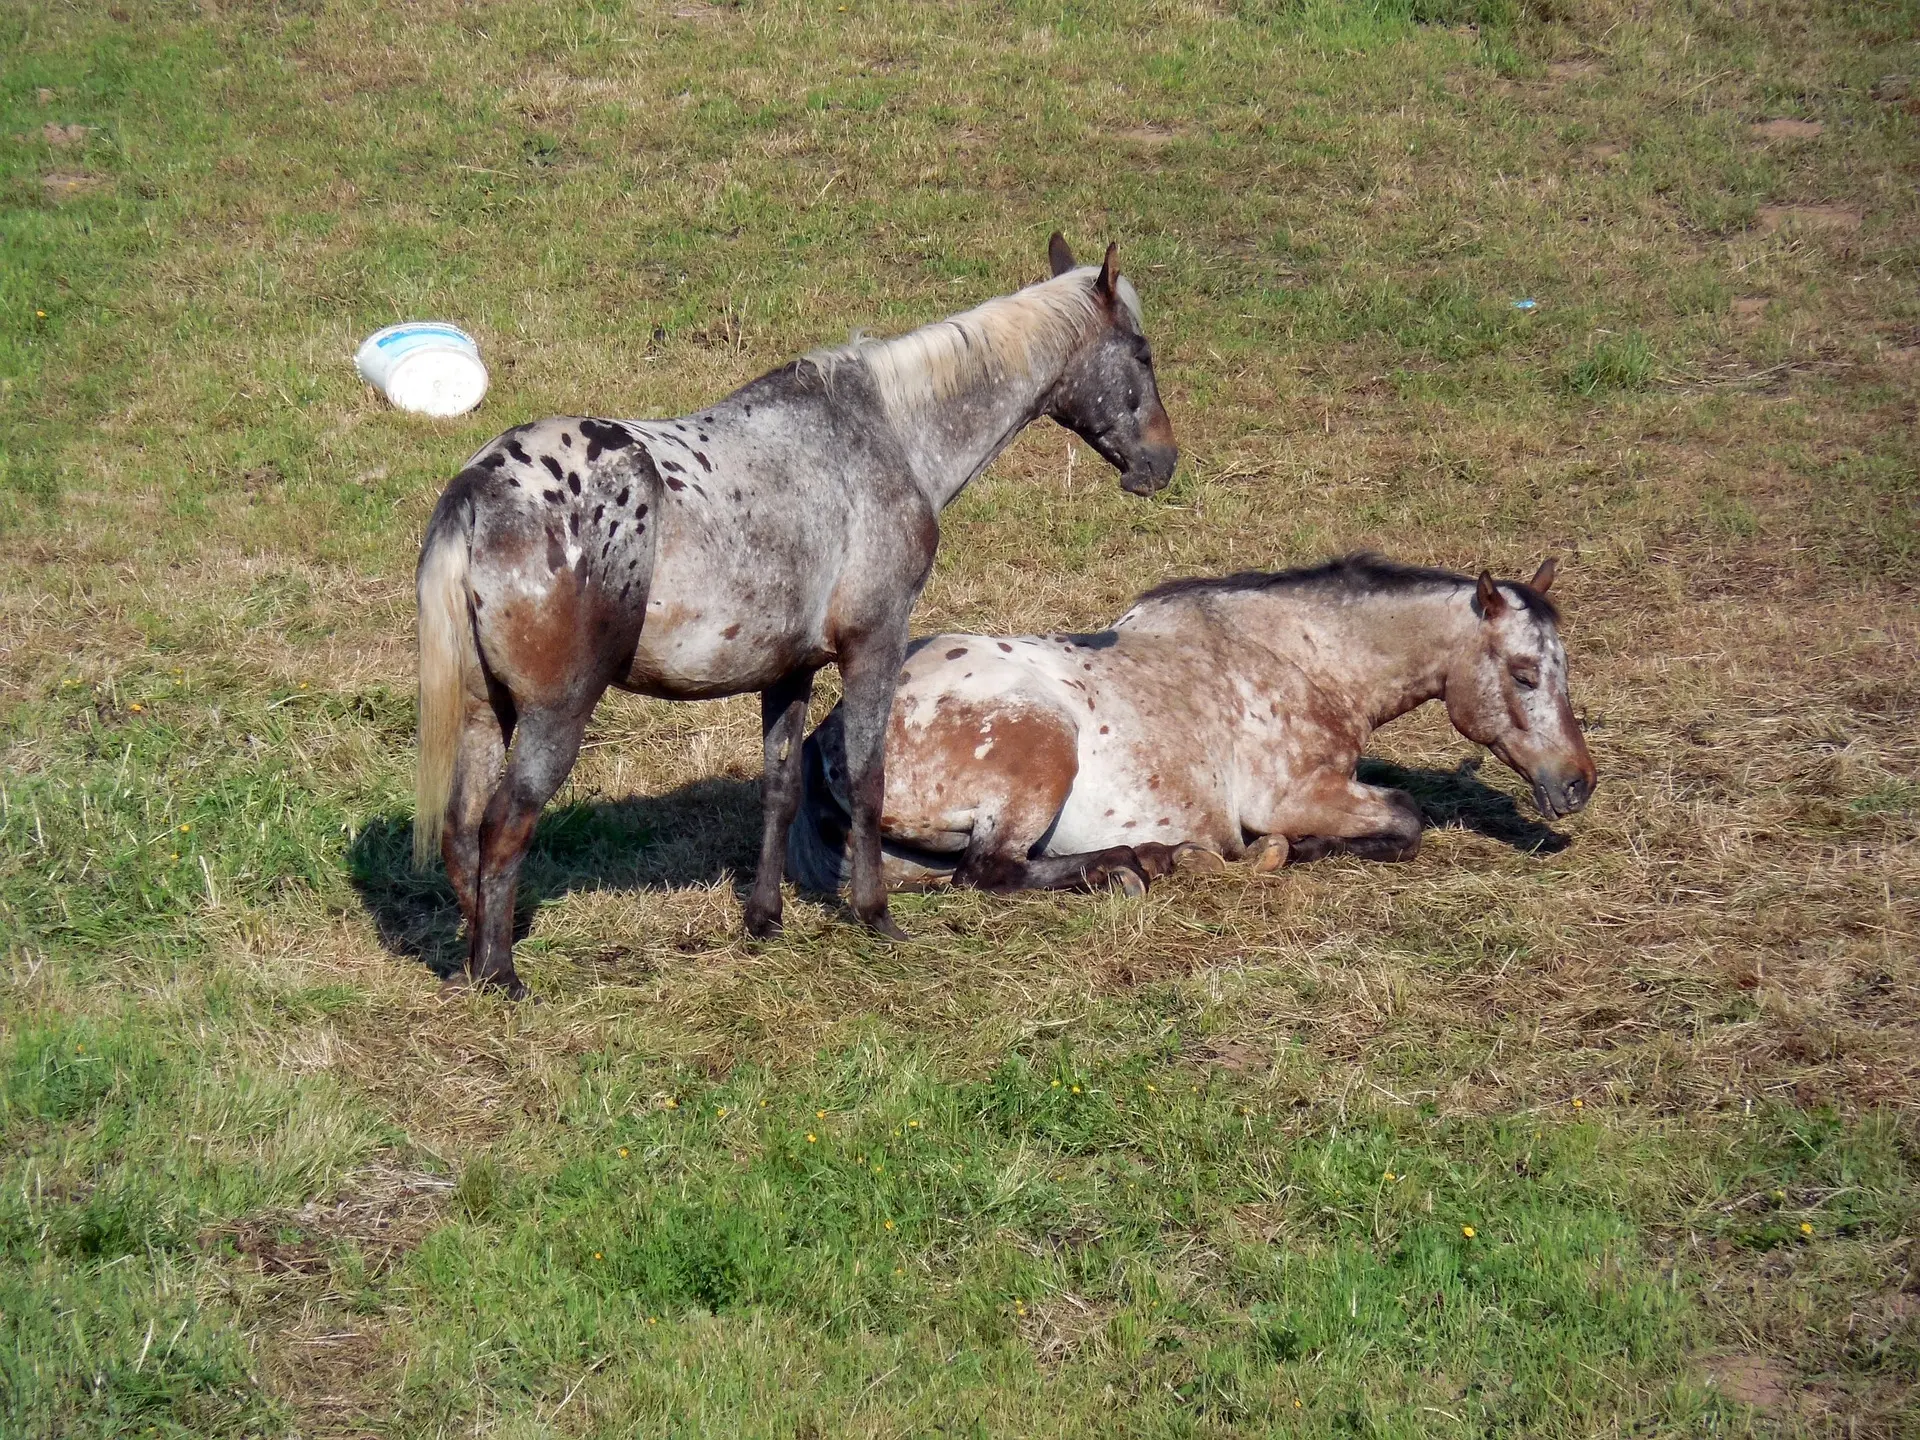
[1009,335]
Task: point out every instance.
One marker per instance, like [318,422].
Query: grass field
[1608,1131]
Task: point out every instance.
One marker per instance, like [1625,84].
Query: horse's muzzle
[1150,471]
[1560,796]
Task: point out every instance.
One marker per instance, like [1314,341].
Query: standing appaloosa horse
[1216,718]
[740,548]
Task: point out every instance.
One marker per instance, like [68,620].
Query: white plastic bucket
[424,366]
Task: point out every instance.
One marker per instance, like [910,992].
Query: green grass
[1078,1166]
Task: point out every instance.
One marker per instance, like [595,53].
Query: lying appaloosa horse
[1216,718]
[740,548]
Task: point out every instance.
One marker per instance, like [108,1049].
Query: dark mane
[1362,573]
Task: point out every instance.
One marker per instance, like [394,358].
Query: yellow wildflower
[623,1152]
[811,1137]
[596,1254]
[1391,1177]
[1578,1103]
[1076,1089]
[888,1225]
[1467,1230]
[185,828]
[1805,1228]
[819,1114]
[672,1104]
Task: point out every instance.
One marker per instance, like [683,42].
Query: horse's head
[1509,693]
[1106,395]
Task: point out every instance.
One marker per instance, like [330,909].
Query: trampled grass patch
[1563,1130]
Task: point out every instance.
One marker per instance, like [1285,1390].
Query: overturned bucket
[424,366]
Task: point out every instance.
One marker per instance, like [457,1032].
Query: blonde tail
[446,650]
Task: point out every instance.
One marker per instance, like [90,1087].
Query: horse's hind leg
[783,723]
[485,728]
[544,750]
[1094,870]
[1019,788]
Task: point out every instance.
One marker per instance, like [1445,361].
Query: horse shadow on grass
[708,831]
[701,834]
[1459,799]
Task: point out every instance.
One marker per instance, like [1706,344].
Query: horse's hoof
[763,927]
[464,984]
[884,926]
[1191,859]
[1267,854]
[1156,861]
[1131,882]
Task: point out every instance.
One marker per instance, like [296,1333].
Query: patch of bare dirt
[1235,1055]
[385,1215]
[1563,70]
[59,185]
[1750,307]
[1770,218]
[1784,129]
[1605,152]
[61,136]
[1756,1380]
[1152,137]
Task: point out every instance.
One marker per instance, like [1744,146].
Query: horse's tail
[448,655]
[817,839]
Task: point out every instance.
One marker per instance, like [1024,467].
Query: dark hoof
[464,984]
[1129,880]
[884,926]
[763,927]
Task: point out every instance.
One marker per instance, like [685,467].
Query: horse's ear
[1492,603]
[1060,254]
[1543,577]
[1109,270]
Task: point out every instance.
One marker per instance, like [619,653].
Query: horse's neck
[1382,655]
[959,436]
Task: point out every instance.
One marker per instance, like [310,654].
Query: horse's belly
[1115,801]
[692,660]
[713,627]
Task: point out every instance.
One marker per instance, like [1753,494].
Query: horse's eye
[1525,677]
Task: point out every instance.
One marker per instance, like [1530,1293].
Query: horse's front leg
[783,722]
[870,671]
[1337,813]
